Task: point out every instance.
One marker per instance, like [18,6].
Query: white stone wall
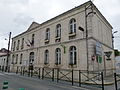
[3,60]
[98,31]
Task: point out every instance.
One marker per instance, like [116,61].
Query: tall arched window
[18,43]
[14,45]
[46,61]
[58,56]
[21,57]
[47,34]
[73,55]
[72,26]
[13,57]
[33,38]
[16,59]
[22,43]
[31,58]
[58,30]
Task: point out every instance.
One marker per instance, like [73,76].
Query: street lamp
[113,37]
[114,33]
[86,16]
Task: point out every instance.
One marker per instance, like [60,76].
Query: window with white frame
[21,57]
[14,45]
[72,26]
[31,58]
[47,34]
[72,55]
[18,43]
[13,59]
[46,61]
[33,37]
[58,30]
[58,56]
[16,58]
[22,44]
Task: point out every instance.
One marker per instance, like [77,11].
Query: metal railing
[117,80]
[75,77]
[71,76]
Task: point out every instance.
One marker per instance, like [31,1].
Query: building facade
[76,39]
[3,58]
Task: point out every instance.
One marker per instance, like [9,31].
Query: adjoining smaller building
[3,58]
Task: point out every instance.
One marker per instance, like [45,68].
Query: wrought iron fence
[74,77]
[117,80]
[79,77]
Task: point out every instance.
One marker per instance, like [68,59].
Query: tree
[117,53]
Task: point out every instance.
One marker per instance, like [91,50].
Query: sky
[17,15]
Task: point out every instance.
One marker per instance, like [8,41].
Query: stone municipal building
[76,39]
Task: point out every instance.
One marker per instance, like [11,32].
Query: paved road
[17,81]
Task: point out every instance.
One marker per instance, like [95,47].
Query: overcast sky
[17,15]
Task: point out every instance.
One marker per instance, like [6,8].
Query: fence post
[42,72]
[21,70]
[28,71]
[39,73]
[115,81]
[53,74]
[57,75]
[72,77]
[79,78]
[17,71]
[8,69]
[31,72]
[102,80]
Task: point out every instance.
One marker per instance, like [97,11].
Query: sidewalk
[109,80]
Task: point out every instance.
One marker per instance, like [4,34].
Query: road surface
[16,81]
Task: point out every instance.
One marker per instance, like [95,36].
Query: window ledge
[57,37]
[72,34]
[46,64]
[46,40]
[72,66]
[58,65]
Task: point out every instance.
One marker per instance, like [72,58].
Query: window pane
[47,34]
[46,57]
[58,56]
[72,26]
[72,55]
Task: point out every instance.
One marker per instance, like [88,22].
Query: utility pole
[8,53]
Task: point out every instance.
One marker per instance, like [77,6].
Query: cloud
[22,20]
[14,2]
